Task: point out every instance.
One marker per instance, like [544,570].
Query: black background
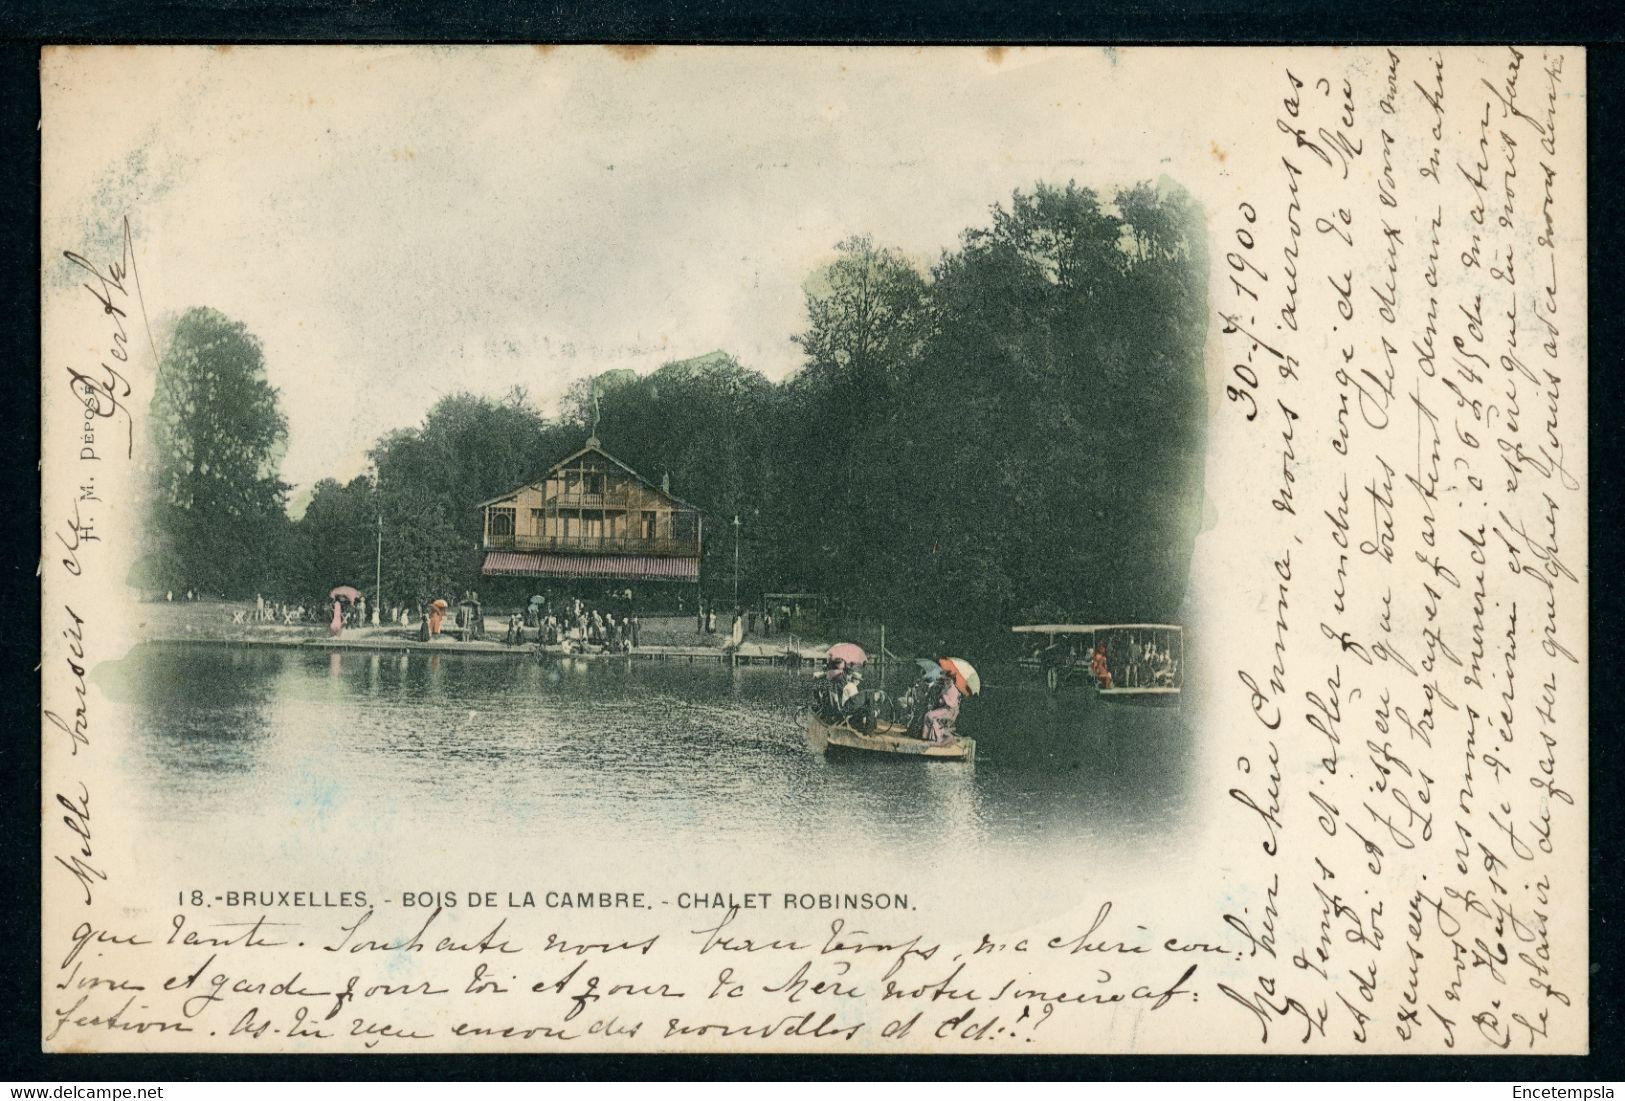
[24,28]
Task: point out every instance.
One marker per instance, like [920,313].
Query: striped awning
[628,567]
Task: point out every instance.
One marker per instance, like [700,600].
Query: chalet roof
[593,447]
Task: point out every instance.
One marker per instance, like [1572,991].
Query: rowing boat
[886,738]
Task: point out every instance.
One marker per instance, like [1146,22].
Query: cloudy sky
[398,223]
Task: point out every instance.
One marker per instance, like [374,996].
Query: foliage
[1010,436]
[218,433]
[1013,436]
[704,427]
[334,542]
[431,480]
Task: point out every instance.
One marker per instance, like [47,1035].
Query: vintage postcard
[814,550]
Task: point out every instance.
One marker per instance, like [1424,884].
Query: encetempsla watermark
[1562,1093]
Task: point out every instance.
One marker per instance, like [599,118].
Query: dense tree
[336,538]
[705,428]
[1038,458]
[866,315]
[431,479]
[218,435]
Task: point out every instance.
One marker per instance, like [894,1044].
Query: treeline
[1012,435]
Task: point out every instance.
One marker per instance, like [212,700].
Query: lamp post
[736,562]
[378,574]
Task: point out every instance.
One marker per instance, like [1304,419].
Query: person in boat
[1052,659]
[1162,669]
[942,716]
[827,691]
[836,695]
[1098,667]
[851,690]
[861,708]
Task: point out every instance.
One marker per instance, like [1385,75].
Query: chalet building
[589,526]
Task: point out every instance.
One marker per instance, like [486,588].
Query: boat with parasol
[845,718]
[885,737]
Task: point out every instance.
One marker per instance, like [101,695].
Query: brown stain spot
[406,154]
[72,48]
[995,54]
[631,53]
[224,49]
[310,101]
[1218,154]
[543,49]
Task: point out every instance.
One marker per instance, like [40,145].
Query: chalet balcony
[595,544]
[611,498]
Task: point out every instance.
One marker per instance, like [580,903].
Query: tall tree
[865,314]
[431,478]
[336,537]
[868,316]
[705,427]
[219,436]
[1036,452]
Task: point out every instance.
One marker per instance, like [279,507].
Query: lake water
[277,760]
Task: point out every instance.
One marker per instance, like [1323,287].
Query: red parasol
[964,674]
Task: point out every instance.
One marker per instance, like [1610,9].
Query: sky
[395,224]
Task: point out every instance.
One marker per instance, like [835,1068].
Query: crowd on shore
[285,613]
[573,624]
[576,626]
[741,622]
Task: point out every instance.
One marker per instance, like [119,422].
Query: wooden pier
[382,643]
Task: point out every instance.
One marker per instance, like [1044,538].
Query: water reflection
[217,722]
[670,755]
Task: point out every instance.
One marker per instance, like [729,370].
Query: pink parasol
[345,592]
[847,652]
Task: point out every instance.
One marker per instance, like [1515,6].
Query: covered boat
[1140,663]
[885,738]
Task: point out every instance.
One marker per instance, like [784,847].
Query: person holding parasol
[341,596]
[959,680]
